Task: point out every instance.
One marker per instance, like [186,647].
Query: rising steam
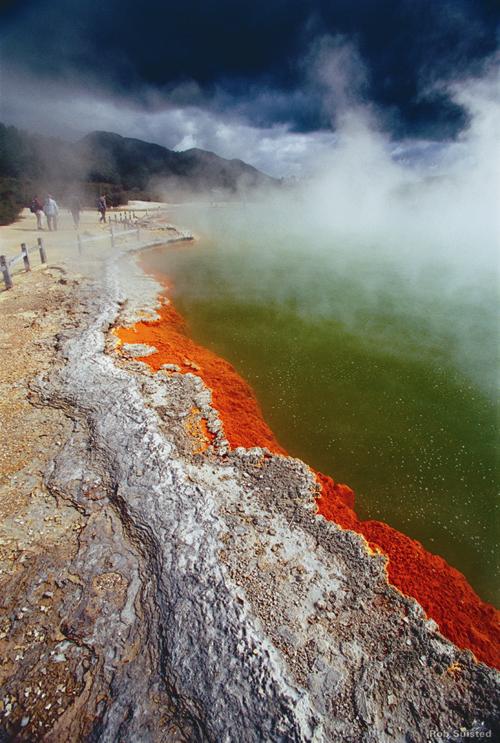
[372,227]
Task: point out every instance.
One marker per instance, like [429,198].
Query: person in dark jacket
[101,207]
[36,208]
[75,209]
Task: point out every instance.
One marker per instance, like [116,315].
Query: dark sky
[252,59]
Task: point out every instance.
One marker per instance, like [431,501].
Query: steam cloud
[417,232]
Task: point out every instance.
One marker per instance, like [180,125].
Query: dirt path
[39,536]
[57,588]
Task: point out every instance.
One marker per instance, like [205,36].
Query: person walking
[75,209]
[101,207]
[37,209]
[51,211]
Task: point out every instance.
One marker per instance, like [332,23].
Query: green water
[380,378]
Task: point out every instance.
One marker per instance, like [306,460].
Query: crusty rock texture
[203,599]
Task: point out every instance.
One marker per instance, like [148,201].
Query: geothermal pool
[374,366]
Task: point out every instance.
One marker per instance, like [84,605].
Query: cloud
[245,58]
[61,110]
[334,69]
[280,104]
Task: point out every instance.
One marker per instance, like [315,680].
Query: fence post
[4,266]
[112,237]
[116,218]
[26,258]
[138,233]
[43,254]
[79,243]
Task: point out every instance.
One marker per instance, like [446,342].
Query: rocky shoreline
[196,595]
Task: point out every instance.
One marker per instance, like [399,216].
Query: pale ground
[38,535]
[41,531]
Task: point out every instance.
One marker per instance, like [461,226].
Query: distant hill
[123,167]
[136,164]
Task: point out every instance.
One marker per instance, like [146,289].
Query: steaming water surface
[372,366]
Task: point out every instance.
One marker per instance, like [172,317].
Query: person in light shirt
[51,210]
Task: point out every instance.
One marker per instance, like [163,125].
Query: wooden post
[26,258]
[43,254]
[4,267]
[138,233]
[79,243]
[112,237]
[116,218]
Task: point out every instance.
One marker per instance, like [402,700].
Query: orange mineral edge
[441,590]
